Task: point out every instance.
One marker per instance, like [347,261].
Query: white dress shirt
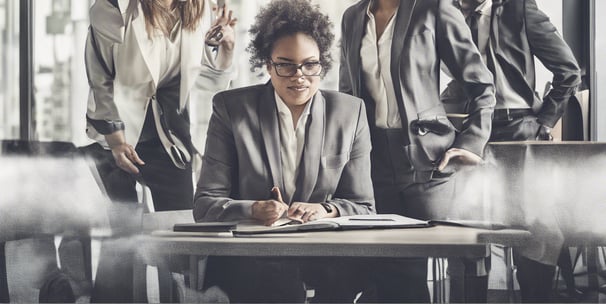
[292,142]
[375,57]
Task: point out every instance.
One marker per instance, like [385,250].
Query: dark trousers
[402,280]
[171,188]
[284,280]
[535,279]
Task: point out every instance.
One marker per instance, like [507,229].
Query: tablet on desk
[206,227]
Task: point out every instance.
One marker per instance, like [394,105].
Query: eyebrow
[304,60]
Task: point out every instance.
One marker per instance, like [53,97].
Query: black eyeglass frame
[297,67]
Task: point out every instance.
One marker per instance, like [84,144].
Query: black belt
[511,114]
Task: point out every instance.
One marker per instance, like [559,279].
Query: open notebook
[377,221]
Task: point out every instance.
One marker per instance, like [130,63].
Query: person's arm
[458,52]
[345,84]
[549,47]
[104,32]
[212,201]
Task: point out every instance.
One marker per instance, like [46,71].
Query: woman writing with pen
[284,149]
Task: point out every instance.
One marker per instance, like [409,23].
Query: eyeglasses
[313,68]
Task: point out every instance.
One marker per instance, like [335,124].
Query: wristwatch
[327,207]
[544,133]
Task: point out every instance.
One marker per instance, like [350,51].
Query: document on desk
[377,221]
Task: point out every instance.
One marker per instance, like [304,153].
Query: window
[9,70]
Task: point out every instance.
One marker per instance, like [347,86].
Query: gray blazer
[242,158]
[426,32]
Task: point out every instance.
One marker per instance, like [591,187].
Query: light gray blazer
[426,33]
[242,158]
[122,75]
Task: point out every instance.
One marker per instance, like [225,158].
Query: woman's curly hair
[282,18]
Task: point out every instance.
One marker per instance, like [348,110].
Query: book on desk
[378,221]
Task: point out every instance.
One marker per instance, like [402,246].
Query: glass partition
[9,69]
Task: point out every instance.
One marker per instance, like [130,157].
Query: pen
[372,219]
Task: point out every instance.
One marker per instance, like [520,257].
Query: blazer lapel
[312,152]
[356,44]
[145,44]
[397,45]
[268,116]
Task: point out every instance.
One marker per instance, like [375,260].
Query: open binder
[376,221]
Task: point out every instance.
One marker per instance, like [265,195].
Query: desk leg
[193,272]
[509,273]
[4,296]
[139,280]
[592,274]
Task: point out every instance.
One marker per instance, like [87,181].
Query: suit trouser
[402,280]
[284,280]
[171,188]
[535,278]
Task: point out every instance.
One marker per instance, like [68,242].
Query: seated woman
[284,149]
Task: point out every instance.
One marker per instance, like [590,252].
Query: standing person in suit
[392,61]
[510,35]
[285,148]
[142,60]
[143,57]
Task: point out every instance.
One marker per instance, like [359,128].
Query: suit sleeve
[549,47]
[104,32]
[212,201]
[354,193]
[458,52]
[345,84]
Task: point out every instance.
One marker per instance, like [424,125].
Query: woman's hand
[222,31]
[268,211]
[307,212]
[124,154]
[459,157]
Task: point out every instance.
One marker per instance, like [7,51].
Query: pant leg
[535,279]
[255,280]
[171,187]
[333,279]
[396,280]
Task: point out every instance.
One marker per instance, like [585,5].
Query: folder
[206,227]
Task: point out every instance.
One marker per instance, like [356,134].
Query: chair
[163,220]
[39,149]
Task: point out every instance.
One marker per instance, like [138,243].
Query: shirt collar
[484,9]
[284,110]
[369,10]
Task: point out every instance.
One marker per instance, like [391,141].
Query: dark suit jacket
[519,32]
[426,31]
[242,158]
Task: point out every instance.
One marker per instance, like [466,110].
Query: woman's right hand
[268,211]
[124,154]
[126,157]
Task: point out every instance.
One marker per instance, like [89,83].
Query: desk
[437,241]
